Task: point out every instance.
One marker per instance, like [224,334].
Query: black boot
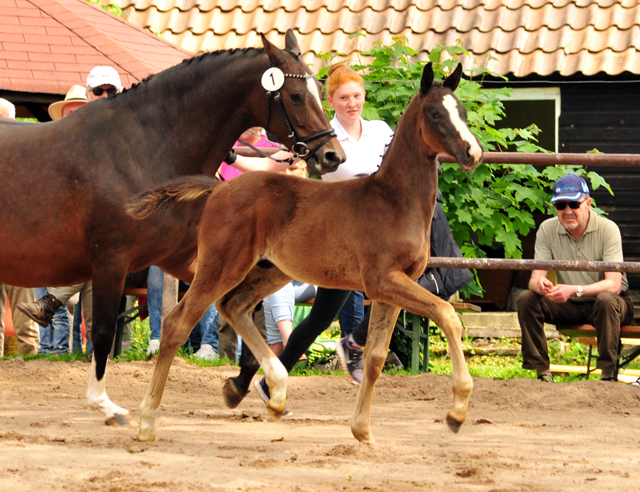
[41,311]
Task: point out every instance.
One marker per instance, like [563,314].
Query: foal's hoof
[232,396]
[121,419]
[276,413]
[453,424]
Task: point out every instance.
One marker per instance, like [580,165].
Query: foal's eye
[434,114]
[296,98]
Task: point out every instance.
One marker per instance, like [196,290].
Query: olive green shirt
[600,242]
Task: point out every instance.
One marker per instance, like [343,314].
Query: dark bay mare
[369,234]
[65,184]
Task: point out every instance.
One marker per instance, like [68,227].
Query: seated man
[597,298]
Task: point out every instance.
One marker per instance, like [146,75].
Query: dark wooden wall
[607,117]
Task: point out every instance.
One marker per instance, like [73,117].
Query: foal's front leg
[400,290]
[381,325]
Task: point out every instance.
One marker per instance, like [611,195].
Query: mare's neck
[409,167]
[189,116]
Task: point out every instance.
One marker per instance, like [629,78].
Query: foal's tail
[183,189]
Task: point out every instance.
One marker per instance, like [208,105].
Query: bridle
[300,149]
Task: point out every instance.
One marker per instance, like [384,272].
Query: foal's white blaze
[451,105]
[313,88]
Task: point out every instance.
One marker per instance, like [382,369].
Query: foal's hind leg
[236,307]
[381,325]
[175,331]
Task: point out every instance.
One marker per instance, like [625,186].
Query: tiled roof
[526,36]
[47,46]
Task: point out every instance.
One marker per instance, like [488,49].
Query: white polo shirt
[364,155]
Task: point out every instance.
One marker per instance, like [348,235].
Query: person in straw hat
[75,98]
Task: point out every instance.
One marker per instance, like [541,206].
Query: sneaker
[41,311]
[206,352]
[153,347]
[636,382]
[263,390]
[350,356]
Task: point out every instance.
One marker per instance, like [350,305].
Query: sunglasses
[572,205]
[98,91]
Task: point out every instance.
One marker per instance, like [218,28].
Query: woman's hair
[339,74]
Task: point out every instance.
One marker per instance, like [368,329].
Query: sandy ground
[520,435]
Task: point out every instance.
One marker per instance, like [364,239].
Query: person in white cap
[26,330]
[103,82]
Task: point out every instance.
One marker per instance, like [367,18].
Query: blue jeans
[351,313]
[206,331]
[77,329]
[54,339]
[155,281]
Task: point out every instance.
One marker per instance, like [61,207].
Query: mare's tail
[183,189]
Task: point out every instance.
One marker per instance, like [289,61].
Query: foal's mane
[434,86]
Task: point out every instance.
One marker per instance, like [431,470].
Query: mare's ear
[274,53]
[427,79]
[453,80]
[291,43]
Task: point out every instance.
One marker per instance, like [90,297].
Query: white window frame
[539,94]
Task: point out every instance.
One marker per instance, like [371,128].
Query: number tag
[273,79]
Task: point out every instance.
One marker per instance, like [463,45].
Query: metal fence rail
[507,264]
[537,159]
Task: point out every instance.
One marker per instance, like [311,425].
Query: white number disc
[273,79]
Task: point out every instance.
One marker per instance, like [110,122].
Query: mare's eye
[434,114]
[296,98]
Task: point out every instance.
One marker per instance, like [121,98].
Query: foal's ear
[291,43]
[274,53]
[453,80]
[427,79]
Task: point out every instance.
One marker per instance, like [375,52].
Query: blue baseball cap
[569,187]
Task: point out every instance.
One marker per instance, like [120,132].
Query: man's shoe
[41,311]
[636,382]
[393,361]
[153,347]
[206,352]
[262,388]
[545,378]
[350,356]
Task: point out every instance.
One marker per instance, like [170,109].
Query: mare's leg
[236,306]
[108,282]
[326,307]
[399,290]
[381,324]
[176,328]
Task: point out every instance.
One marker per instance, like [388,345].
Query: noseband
[299,148]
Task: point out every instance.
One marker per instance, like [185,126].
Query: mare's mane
[184,64]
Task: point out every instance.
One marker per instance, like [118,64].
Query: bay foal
[261,230]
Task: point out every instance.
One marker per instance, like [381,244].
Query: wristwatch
[580,291]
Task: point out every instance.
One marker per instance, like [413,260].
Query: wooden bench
[587,334]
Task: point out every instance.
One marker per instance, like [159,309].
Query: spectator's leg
[155,281]
[26,330]
[87,308]
[3,307]
[46,333]
[227,339]
[351,313]
[209,326]
[77,327]
[610,312]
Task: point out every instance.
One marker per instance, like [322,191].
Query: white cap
[103,75]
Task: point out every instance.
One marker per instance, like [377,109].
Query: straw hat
[75,94]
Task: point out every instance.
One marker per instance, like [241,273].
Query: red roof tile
[49,45]
[523,36]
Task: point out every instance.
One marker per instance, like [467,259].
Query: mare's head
[443,119]
[295,107]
